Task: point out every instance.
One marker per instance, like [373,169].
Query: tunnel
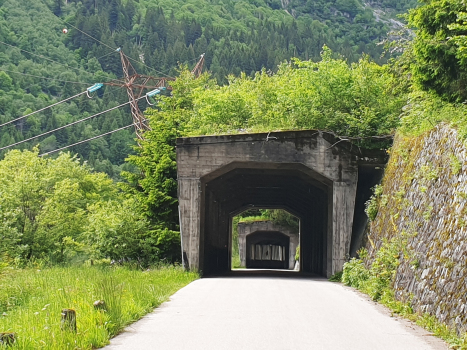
[267,250]
[312,174]
[291,187]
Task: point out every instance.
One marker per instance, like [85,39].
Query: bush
[355,274]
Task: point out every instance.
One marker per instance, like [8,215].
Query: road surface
[266,312]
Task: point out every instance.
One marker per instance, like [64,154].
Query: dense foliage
[45,72]
[440,48]
[237,36]
[39,65]
[58,210]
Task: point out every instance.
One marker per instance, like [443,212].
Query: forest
[41,65]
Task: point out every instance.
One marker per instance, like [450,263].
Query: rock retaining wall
[424,200]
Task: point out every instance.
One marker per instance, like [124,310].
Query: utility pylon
[136,84]
[199,67]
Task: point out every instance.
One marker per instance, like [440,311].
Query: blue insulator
[95,87]
[155,92]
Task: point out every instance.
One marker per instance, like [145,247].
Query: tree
[117,230]
[51,208]
[57,7]
[440,57]
[155,186]
[6,83]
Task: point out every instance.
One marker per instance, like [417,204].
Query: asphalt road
[272,313]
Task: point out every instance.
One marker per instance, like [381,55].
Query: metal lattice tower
[136,84]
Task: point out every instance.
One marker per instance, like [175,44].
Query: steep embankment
[423,204]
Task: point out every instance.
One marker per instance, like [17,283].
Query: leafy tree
[155,187]
[117,230]
[352,100]
[10,238]
[440,63]
[58,208]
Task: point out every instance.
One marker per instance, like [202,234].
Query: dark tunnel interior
[269,239]
[298,191]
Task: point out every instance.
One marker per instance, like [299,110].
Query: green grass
[236,263]
[251,219]
[31,301]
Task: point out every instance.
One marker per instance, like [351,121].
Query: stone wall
[424,201]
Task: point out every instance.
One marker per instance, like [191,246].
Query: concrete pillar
[342,220]
[189,196]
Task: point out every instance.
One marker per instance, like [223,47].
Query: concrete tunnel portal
[278,186]
[298,171]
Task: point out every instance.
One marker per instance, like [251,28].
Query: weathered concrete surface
[309,173]
[272,313]
[244,229]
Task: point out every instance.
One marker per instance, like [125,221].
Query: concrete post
[190,214]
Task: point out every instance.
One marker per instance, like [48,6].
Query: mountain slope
[236,35]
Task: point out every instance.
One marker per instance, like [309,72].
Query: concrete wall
[244,229]
[319,159]
[425,202]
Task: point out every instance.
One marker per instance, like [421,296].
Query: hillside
[40,65]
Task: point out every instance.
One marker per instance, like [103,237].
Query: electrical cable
[38,76]
[155,70]
[42,109]
[90,139]
[115,49]
[71,25]
[46,58]
[107,54]
[68,125]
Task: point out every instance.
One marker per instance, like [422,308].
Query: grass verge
[31,301]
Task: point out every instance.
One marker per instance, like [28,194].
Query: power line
[114,48]
[155,70]
[40,77]
[66,126]
[107,54]
[46,58]
[90,139]
[71,25]
[42,109]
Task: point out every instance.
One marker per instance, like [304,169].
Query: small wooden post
[68,322]
[7,338]
[99,305]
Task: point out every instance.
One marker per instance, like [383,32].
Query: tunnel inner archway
[267,250]
[254,221]
[294,188]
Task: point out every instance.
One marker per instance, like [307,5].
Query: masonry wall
[424,200]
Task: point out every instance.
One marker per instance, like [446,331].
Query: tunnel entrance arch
[285,225]
[309,173]
[290,186]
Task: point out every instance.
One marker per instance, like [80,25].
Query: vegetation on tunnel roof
[355,99]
